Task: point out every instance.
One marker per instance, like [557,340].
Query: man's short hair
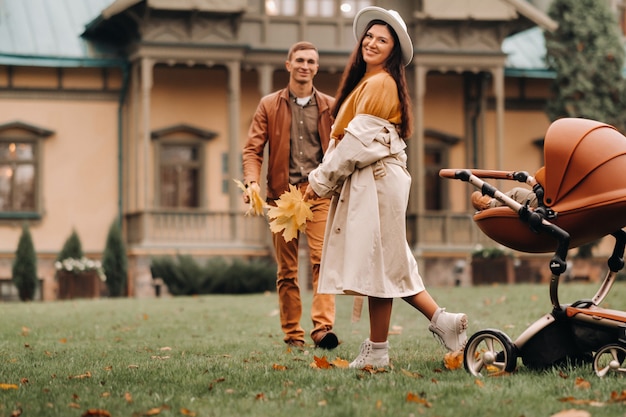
[300,46]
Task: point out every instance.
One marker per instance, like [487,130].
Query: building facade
[137,111]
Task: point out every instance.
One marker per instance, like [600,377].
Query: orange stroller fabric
[585,185]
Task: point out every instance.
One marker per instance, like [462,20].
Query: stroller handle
[463,174]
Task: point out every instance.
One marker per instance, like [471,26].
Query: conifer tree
[24,273]
[72,248]
[587,55]
[114,261]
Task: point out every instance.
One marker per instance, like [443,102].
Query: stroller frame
[580,332]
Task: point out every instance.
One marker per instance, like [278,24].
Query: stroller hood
[585,162]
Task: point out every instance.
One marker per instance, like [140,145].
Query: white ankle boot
[373,354]
[450,329]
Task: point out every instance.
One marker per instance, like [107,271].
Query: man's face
[303,65]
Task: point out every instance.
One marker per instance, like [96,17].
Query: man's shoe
[295,343]
[450,329]
[372,354]
[480,202]
[328,341]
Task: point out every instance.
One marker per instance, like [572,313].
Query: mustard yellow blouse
[376,94]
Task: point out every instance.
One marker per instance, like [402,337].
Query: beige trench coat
[365,248]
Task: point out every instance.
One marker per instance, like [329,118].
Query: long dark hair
[355,70]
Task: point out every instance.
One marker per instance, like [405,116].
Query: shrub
[115,261]
[185,276]
[72,248]
[24,273]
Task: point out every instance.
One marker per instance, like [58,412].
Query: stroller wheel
[489,352]
[610,359]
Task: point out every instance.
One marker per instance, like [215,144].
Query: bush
[72,248]
[184,276]
[24,273]
[115,262]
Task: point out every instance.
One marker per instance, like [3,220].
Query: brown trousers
[289,300]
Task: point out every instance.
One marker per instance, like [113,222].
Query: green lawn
[224,356]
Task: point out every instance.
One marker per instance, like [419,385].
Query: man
[295,123]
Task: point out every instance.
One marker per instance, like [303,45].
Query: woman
[365,250]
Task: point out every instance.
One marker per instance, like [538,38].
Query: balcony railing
[199,229]
[227,231]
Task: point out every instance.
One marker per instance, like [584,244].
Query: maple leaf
[321,363]
[290,213]
[453,360]
[256,203]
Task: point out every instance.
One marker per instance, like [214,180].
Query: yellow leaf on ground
[8,386]
[340,363]
[453,360]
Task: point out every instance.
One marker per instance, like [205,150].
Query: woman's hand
[309,194]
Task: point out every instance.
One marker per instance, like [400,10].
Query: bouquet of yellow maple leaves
[288,216]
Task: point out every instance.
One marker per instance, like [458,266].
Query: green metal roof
[48,33]
[526,53]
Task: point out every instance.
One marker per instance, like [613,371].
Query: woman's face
[376,46]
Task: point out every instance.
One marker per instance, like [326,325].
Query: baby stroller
[581,199]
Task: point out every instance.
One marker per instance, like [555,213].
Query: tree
[24,271]
[72,248]
[587,55]
[114,261]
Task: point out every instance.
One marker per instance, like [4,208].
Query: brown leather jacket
[271,125]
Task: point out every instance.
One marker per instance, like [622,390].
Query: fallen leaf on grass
[320,363]
[25,331]
[577,401]
[260,397]
[411,374]
[187,412]
[17,412]
[582,383]
[128,397]
[572,413]
[278,367]
[81,376]
[479,382]
[340,363]
[96,412]
[453,360]
[414,398]
[159,357]
[73,405]
[618,398]
[156,410]
[8,386]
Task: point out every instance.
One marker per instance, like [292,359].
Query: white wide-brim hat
[393,19]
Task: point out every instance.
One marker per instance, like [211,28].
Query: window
[323,8]
[20,148]
[17,176]
[180,172]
